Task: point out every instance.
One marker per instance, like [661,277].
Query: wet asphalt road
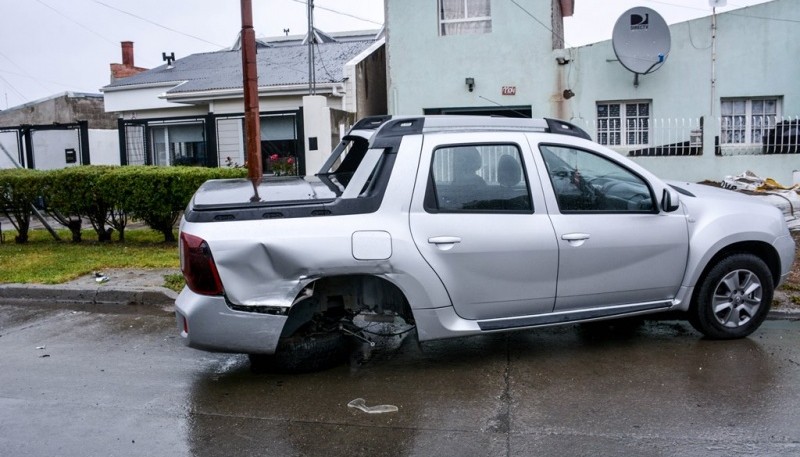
[78,383]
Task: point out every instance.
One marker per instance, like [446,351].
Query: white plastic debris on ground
[784,198]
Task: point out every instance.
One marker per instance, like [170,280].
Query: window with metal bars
[746,120]
[623,123]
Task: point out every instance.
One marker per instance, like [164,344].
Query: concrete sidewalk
[123,287]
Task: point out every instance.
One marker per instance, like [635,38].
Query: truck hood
[703,191]
[709,204]
[284,190]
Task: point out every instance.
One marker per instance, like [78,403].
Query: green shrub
[158,195]
[78,192]
[107,195]
[19,188]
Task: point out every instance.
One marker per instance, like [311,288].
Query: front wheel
[733,299]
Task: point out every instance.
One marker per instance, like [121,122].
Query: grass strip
[45,261]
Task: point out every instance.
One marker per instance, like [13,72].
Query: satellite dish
[641,41]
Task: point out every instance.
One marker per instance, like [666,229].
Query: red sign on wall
[509,90]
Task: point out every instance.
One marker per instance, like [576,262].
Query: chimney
[127,53]
[126,68]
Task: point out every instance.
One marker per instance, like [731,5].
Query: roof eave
[267,91]
[141,86]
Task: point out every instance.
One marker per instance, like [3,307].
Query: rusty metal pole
[252,124]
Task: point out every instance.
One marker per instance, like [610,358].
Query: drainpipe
[252,124]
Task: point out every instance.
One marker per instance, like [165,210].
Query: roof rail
[565,128]
[371,122]
[392,129]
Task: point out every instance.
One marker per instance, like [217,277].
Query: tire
[303,354]
[733,299]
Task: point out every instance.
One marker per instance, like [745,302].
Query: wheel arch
[353,292]
[760,249]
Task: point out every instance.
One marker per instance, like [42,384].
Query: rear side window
[478,178]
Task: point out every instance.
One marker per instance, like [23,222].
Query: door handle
[575,236]
[575,239]
[444,240]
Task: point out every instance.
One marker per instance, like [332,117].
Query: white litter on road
[784,198]
[360,403]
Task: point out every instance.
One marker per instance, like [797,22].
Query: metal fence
[754,135]
[649,137]
[735,135]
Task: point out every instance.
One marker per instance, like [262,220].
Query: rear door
[478,218]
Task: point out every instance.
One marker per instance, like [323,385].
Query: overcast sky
[52,46]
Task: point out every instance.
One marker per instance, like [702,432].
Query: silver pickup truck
[457,226]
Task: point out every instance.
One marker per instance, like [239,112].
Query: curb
[784,315]
[62,294]
[144,296]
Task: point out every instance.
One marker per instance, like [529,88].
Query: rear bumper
[213,326]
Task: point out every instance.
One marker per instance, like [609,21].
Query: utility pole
[252,124]
[713,58]
[312,38]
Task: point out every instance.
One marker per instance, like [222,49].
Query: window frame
[442,22]
[748,118]
[623,124]
[160,134]
[653,198]
[430,201]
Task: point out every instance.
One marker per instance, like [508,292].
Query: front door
[615,246]
[478,218]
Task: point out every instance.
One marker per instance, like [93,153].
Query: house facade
[723,102]
[190,110]
[59,131]
[726,99]
[476,56]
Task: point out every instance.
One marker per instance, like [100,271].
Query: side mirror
[669,200]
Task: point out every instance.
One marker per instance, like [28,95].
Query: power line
[25,75]
[764,18]
[339,12]
[705,10]
[557,35]
[319,53]
[732,13]
[14,89]
[157,24]
[22,70]
[76,22]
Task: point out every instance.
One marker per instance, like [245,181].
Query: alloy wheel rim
[737,298]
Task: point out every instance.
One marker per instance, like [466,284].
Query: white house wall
[426,70]
[50,147]
[141,98]
[173,111]
[755,58]
[103,147]
[9,154]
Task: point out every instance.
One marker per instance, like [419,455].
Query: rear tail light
[197,266]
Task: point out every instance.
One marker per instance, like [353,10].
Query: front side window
[478,178]
[623,123]
[586,182]
[745,121]
[461,17]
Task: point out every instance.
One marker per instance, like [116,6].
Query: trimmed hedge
[107,196]
[19,188]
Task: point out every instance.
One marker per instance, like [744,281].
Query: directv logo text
[640,23]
